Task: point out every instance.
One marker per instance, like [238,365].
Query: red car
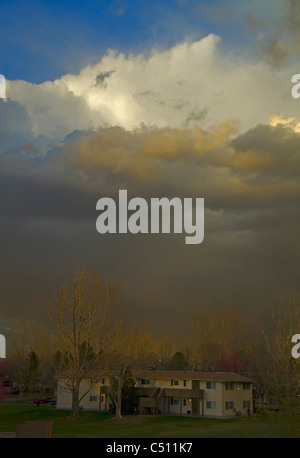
[39,401]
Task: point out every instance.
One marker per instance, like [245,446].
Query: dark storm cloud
[254,171]
[25,195]
[249,253]
[273,150]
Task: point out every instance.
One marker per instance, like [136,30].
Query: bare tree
[29,352]
[128,347]
[163,352]
[83,316]
[215,333]
[283,370]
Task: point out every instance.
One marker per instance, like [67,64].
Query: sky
[178,98]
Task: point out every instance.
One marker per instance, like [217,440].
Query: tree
[161,352]
[283,371]
[82,315]
[27,348]
[257,367]
[178,362]
[32,375]
[230,363]
[129,398]
[214,333]
[44,347]
[3,389]
[127,350]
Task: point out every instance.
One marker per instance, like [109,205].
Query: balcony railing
[156,392]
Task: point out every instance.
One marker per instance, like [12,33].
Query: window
[178,382]
[211,385]
[229,386]
[246,386]
[246,404]
[93,398]
[229,405]
[211,404]
[174,402]
[145,382]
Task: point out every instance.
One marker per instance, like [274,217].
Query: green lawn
[96,424]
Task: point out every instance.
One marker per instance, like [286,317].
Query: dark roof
[190,375]
[153,374]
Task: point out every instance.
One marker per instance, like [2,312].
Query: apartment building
[215,394]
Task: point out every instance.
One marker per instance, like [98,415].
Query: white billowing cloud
[190,83]
[54,110]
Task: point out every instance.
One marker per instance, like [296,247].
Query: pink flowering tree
[230,363]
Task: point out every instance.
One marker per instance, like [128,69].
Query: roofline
[192,375]
[174,375]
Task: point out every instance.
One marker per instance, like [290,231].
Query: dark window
[229,405]
[246,386]
[229,386]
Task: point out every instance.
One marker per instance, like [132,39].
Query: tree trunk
[75,402]
[119,402]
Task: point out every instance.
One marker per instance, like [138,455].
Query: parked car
[39,401]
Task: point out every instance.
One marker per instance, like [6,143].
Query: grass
[99,424]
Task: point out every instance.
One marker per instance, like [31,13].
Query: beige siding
[219,400]
[238,395]
[64,398]
[91,401]
[212,399]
